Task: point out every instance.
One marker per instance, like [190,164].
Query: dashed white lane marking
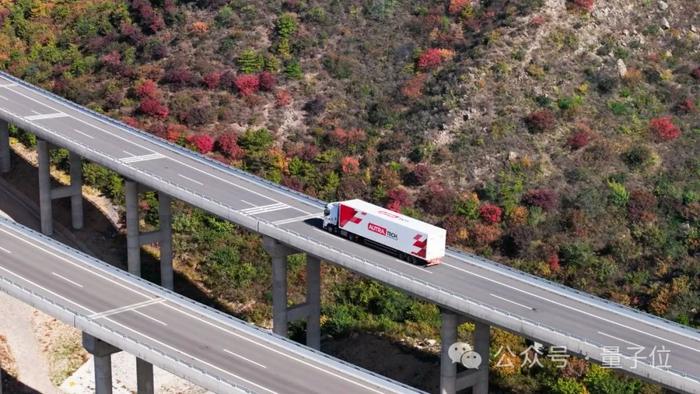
[298,219]
[265,208]
[8,85]
[84,134]
[39,116]
[5,250]
[151,318]
[258,342]
[4,98]
[244,358]
[125,308]
[74,283]
[248,203]
[94,271]
[137,159]
[190,179]
[620,339]
[512,302]
[574,309]
[128,153]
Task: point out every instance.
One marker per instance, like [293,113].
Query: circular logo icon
[456,351]
[471,360]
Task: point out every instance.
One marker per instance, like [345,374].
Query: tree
[267,81]
[420,175]
[580,138]
[247,84]
[540,121]
[153,107]
[433,57]
[147,89]
[664,129]
[227,144]
[256,140]
[398,198]
[250,62]
[490,213]
[543,198]
[203,142]
[212,79]
[350,165]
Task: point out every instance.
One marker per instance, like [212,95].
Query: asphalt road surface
[676,349]
[251,358]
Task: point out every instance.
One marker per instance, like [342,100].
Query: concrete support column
[135,238]
[76,185]
[45,188]
[4,150]
[482,335]
[144,377]
[133,247]
[48,194]
[166,238]
[102,356]
[279,294]
[313,300]
[448,369]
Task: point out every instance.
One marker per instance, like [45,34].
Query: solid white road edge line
[80,266]
[575,309]
[269,348]
[5,250]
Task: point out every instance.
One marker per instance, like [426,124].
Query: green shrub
[224,270]
[286,25]
[567,386]
[250,62]
[638,157]
[618,193]
[108,182]
[256,140]
[293,69]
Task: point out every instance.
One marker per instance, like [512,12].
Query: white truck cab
[330,216]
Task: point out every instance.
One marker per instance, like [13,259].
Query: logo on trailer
[421,242]
[348,214]
[375,228]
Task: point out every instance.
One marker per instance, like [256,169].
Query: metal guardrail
[226,320]
[534,280]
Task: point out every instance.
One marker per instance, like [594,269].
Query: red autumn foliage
[150,18]
[174,132]
[553,261]
[247,84]
[293,183]
[641,205]
[686,106]
[212,80]
[179,76]
[437,199]
[350,165]
[456,6]
[537,21]
[131,121]
[227,144]
[431,58]
[398,198]
[283,98]
[203,142]
[147,89]
[585,5]
[267,81]
[540,121]
[153,107]
[664,129]
[490,213]
[420,175]
[696,73]
[581,137]
[483,234]
[343,137]
[414,87]
[112,61]
[543,198]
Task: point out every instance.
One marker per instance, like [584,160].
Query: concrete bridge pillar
[48,194]
[4,148]
[309,310]
[135,238]
[450,380]
[144,377]
[102,356]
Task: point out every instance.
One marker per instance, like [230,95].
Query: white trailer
[411,239]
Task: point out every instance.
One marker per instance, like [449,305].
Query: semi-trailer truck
[410,239]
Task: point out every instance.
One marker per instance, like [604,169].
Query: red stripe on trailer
[349,214]
[421,244]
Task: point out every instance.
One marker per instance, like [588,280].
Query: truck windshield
[326,212]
